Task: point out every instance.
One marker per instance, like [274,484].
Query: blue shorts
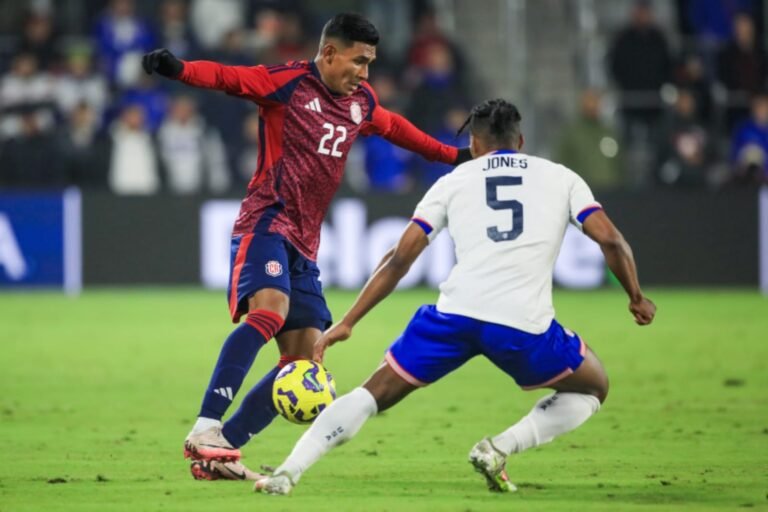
[434,344]
[268,260]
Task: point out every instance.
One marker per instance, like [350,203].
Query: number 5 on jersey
[492,185]
[330,130]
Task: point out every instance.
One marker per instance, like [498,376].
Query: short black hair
[351,27]
[497,120]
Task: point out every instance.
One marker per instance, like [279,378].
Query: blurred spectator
[80,84]
[26,88]
[426,34]
[690,74]
[292,43]
[262,39]
[427,173]
[686,147]
[741,67]
[151,96]
[232,50]
[191,152]
[590,147]
[121,39]
[749,145]
[640,63]
[175,32]
[40,40]
[212,19]
[712,20]
[29,158]
[83,148]
[439,89]
[133,166]
[386,165]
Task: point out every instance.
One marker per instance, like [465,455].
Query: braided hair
[496,119]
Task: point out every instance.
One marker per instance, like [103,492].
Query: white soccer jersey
[507,213]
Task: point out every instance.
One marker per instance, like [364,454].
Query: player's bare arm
[618,255]
[393,266]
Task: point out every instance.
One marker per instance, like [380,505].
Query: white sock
[336,425]
[204,424]
[552,416]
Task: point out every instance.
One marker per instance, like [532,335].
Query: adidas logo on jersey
[225,392]
[314,105]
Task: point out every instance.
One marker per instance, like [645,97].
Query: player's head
[347,48]
[493,124]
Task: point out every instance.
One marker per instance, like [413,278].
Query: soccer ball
[302,390]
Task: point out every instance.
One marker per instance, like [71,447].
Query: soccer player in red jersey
[310,114]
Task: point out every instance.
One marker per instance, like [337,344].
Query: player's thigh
[271,299]
[298,342]
[387,387]
[534,360]
[589,378]
[433,345]
[309,309]
[259,275]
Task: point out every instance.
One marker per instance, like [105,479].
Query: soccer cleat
[210,444]
[216,470]
[490,462]
[279,484]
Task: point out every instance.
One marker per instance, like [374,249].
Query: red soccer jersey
[306,132]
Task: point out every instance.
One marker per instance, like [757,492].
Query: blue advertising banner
[40,240]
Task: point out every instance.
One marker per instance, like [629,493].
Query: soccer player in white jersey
[507,213]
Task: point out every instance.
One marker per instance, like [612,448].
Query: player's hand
[337,332]
[643,310]
[463,155]
[162,62]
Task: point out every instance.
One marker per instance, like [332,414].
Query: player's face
[348,66]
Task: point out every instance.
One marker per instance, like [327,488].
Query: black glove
[163,62]
[464,156]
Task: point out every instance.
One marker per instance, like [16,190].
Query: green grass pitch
[97,394]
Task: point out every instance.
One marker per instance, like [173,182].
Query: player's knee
[601,390]
[271,300]
[267,322]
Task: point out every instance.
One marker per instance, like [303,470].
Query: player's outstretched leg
[217,470]
[336,425]
[257,409]
[577,397]
[206,441]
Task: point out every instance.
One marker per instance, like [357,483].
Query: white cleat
[490,462]
[279,484]
[216,470]
[210,444]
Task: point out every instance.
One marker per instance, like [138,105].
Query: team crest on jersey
[356,112]
[273,268]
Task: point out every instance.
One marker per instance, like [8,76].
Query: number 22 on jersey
[330,131]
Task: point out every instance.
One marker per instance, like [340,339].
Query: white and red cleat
[210,444]
[216,470]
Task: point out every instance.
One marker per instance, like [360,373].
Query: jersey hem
[444,306]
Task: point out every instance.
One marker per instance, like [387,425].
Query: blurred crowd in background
[76,108]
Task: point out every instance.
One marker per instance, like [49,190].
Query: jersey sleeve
[432,211]
[265,85]
[581,201]
[398,130]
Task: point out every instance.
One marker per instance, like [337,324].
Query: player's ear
[328,52]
